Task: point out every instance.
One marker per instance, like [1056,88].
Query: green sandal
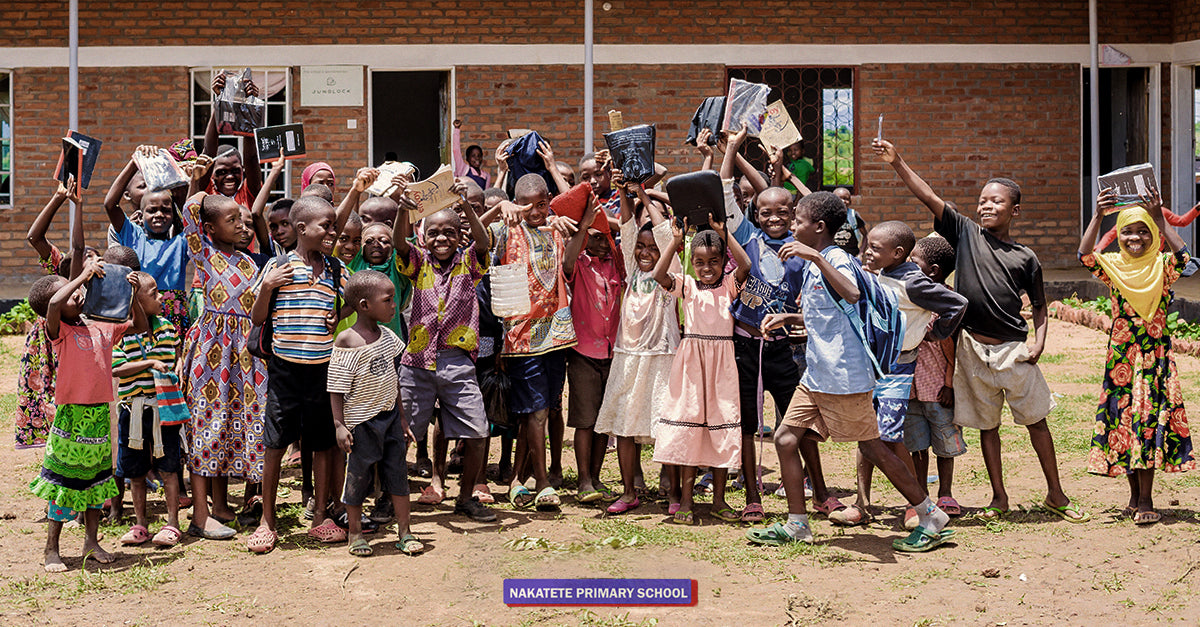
[1069,512]
[361,548]
[589,496]
[409,545]
[920,540]
[547,500]
[520,496]
[776,535]
[682,518]
[726,514]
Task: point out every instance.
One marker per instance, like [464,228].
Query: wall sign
[331,86]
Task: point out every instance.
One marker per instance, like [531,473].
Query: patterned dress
[35,380]
[1141,423]
[224,385]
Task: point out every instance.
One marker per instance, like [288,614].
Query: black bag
[109,297]
[708,116]
[262,335]
[695,195]
[494,386]
[632,151]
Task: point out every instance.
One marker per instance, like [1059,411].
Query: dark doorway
[1124,125]
[409,118]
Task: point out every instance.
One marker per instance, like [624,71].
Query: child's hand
[736,139]
[546,153]
[459,187]
[702,142]
[885,149]
[277,277]
[331,319]
[218,83]
[251,88]
[345,439]
[458,124]
[945,397]
[678,228]
[618,179]
[278,164]
[717,225]
[777,157]
[70,191]
[408,432]
[146,150]
[796,249]
[364,178]
[1152,201]
[201,167]
[92,267]
[502,155]
[564,225]
[134,279]
[1106,201]
[159,366]
[774,321]
[512,213]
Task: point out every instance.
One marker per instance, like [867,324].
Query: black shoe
[475,510]
[343,520]
[384,511]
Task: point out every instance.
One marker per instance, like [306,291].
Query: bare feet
[93,551]
[54,563]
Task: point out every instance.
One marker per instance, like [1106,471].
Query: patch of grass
[588,618]
[1054,358]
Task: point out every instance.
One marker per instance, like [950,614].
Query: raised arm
[845,286]
[478,232]
[264,194]
[78,246]
[41,224]
[735,250]
[621,189]
[547,154]
[112,200]
[364,178]
[60,298]
[662,271]
[730,157]
[457,160]
[1105,201]
[919,188]
[401,231]
[251,169]
[704,149]
[137,315]
[212,139]
[577,241]
[1153,204]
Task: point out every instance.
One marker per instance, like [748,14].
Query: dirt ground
[1029,568]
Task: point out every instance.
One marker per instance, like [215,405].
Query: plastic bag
[510,290]
[632,151]
[494,387]
[745,106]
[523,158]
[708,116]
[237,112]
[160,171]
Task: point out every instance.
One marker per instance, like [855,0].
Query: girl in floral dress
[224,385]
[35,380]
[1140,424]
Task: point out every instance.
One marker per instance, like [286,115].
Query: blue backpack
[876,318]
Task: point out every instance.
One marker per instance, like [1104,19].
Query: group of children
[351,330]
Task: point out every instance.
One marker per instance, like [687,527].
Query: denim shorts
[929,425]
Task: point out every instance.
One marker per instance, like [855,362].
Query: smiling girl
[1142,422]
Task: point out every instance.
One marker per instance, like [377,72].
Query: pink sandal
[482,493]
[137,534]
[328,532]
[950,506]
[167,536]
[430,496]
[753,513]
[262,540]
[828,506]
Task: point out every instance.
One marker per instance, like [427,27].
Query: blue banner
[630,592]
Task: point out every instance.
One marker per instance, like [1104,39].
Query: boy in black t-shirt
[994,364]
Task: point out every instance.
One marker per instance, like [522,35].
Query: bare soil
[1029,568]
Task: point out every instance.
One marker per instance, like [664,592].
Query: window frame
[284,189]
[11,171]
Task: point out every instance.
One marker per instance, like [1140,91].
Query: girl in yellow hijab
[1143,425]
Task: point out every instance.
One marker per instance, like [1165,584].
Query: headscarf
[1139,279]
[311,171]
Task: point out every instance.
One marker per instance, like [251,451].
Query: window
[273,85]
[6,134]
[821,102]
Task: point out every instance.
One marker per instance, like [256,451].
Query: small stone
[981,608]
[1174,502]
[1023,577]
[991,573]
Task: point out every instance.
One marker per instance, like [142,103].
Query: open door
[410,118]
[1124,127]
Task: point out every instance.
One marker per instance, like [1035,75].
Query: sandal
[704,485]
[753,513]
[361,548]
[520,496]
[620,507]
[167,536]
[409,545]
[137,534]
[328,532]
[682,518]
[1146,518]
[950,506]
[829,505]
[850,516]
[726,514]
[607,493]
[589,496]
[992,513]
[481,492]
[776,535]
[672,509]
[262,540]
[430,496]
[547,500]
[920,540]
[1070,512]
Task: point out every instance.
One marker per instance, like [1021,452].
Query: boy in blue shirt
[833,399]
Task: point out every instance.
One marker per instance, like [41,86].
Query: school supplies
[238,113]
[707,116]
[615,121]
[514,133]
[879,133]
[745,106]
[286,140]
[389,170]
[696,195]
[778,130]
[632,151]
[78,159]
[433,194]
[1130,183]
[160,171]
[109,297]
[510,290]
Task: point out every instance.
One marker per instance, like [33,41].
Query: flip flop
[950,506]
[167,536]
[607,493]
[430,496]
[409,545]
[726,514]
[992,513]
[1069,512]
[1146,518]
[829,505]
[672,509]
[483,493]
[850,516]
[547,499]
[682,518]
[137,534]
[361,548]
[328,532]
[704,485]
[775,535]
[520,496]
[620,507]
[262,540]
[920,540]
[221,533]
[753,513]
[589,496]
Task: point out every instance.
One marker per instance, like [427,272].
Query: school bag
[876,319]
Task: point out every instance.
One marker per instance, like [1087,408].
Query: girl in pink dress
[701,423]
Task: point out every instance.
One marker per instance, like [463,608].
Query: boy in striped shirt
[143,443]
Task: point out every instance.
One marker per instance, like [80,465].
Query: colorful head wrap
[1139,279]
[183,150]
[311,171]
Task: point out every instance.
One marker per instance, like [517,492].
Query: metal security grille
[821,102]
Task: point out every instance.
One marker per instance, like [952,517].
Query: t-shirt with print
[158,344]
[445,309]
[164,259]
[773,283]
[85,361]
[838,363]
[992,275]
[299,331]
[367,376]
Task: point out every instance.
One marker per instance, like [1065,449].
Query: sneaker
[343,520]
[384,511]
[473,509]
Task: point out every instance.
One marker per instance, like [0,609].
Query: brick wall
[961,125]
[145,23]
[1185,17]
[329,139]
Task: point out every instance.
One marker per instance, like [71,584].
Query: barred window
[6,135]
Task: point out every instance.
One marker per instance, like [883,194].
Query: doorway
[1126,112]
[410,118]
